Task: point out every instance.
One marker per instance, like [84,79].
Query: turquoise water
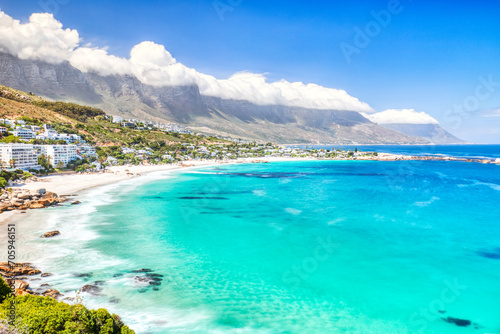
[295,247]
[461,151]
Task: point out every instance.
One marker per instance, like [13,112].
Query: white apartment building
[117,119]
[86,151]
[19,156]
[24,134]
[59,153]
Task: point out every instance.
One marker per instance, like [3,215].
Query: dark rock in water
[76,203]
[458,322]
[155,275]
[142,290]
[142,271]
[442,312]
[156,289]
[47,274]
[490,254]
[85,275]
[118,275]
[114,300]
[92,289]
[99,283]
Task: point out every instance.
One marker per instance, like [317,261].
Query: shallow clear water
[295,247]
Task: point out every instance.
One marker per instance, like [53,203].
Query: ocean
[458,151]
[289,247]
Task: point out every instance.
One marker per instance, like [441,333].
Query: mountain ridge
[128,97]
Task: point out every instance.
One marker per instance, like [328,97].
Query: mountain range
[128,97]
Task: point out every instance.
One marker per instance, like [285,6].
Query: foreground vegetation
[44,315]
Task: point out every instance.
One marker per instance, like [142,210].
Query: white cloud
[43,38]
[401,116]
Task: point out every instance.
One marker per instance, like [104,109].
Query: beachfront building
[87,151]
[3,130]
[24,134]
[59,155]
[19,156]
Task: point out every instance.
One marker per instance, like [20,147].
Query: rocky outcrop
[17,274]
[22,199]
[19,269]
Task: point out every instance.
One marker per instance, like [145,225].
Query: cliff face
[54,81]
[127,96]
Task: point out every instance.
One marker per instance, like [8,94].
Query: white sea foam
[427,203]
[336,221]
[294,212]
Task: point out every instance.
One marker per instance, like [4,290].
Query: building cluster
[143,125]
[44,132]
[25,156]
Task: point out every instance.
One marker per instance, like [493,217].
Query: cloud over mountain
[44,38]
[401,116]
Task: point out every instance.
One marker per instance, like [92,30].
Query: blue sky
[431,57]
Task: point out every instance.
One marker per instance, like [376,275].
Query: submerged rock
[85,275]
[92,289]
[458,322]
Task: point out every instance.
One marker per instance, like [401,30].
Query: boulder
[24,196]
[36,205]
[76,203]
[41,191]
[52,293]
[46,275]
[17,202]
[21,285]
[92,289]
[50,234]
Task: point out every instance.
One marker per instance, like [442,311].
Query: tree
[11,139]
[12,163]
[60,165]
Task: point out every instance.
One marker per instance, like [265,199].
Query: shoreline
[72,184]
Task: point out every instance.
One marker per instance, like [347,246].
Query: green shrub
[3,182]
[11,139]
[5,290]
[27,175]
[44,315]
